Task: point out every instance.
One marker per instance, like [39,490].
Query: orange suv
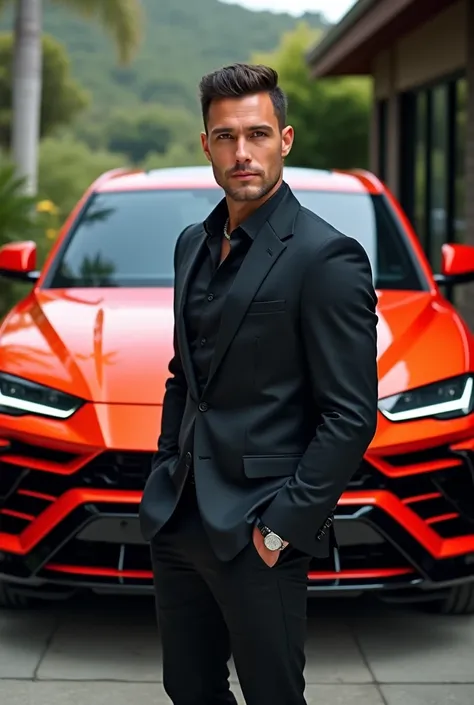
[83,364]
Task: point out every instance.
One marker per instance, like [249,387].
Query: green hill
[183,39]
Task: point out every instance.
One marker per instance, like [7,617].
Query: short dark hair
[239,80]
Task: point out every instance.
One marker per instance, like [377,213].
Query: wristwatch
[271,540]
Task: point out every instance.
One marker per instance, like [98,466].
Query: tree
[62,97]
[177,155]
[16,209]
[119,18]
[17,221]
[150,129]
[330,116]
[67,168]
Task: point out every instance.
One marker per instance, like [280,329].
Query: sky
[334,10]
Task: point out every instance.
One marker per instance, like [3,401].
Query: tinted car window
[127,239]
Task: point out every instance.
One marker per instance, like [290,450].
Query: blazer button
[189,458]
[203,406]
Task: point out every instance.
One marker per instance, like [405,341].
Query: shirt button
[203,341]
[210,297]
[203,406]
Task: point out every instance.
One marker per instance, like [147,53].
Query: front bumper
[69,520]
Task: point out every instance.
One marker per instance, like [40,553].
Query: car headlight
[19,396]
[450,398]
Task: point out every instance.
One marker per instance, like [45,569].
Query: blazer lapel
[181,296]
[262,255]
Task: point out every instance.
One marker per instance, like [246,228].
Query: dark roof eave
[347,22]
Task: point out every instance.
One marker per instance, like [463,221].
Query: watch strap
[264,530]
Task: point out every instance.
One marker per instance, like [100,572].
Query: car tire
[458,601]
[10,599]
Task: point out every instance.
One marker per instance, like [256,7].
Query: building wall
[436,49]
[435,54]
[384,73]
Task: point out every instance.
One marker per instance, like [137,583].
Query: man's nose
[242,154]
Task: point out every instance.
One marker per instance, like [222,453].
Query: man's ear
[287,138]
[205,145]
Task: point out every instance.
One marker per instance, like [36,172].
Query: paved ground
[106,652]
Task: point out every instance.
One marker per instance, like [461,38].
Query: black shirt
[211,281]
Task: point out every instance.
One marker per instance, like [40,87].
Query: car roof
[354,181]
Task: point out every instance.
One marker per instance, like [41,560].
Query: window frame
[407,183]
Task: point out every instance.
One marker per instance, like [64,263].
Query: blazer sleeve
[176,389]
[339,336]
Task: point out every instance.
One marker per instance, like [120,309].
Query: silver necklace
[226,234]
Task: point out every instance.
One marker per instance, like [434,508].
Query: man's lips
[244,175]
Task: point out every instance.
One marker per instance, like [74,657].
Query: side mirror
[18,261]
[457,264]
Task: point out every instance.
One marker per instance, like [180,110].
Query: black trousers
[208,609]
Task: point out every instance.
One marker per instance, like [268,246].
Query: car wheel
[459,600]
[10,599]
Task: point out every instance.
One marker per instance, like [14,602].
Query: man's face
[245,146]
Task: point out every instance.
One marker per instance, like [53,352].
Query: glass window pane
[460,169]
[439,173]
[420,168]
[382,139]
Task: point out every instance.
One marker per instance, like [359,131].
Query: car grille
[437,484]
[85,558]
[127,471]
[33,478]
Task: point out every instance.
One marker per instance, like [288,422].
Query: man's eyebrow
[252,128]
[255,128]
[220,130]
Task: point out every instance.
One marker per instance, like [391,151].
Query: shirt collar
[216,220]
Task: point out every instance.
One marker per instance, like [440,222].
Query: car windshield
[127,239]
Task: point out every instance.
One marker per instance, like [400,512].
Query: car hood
[102,345]
[115,345]
[421,338]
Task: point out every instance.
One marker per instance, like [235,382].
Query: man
[270,405]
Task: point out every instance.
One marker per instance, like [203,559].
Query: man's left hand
[269,557]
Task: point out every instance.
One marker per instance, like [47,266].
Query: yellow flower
[47,207]
[51,233]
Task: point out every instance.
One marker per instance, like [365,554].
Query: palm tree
[120,18]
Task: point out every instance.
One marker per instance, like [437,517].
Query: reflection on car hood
[104,345]
[414,330]
[115,345]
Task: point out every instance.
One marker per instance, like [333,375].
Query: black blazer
[290,405]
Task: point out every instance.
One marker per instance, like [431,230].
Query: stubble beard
[248,192]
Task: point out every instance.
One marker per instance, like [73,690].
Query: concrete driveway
[106,652]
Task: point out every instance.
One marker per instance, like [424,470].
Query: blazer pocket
[267,306]
[270,465]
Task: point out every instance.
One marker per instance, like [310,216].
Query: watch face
[273,542]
